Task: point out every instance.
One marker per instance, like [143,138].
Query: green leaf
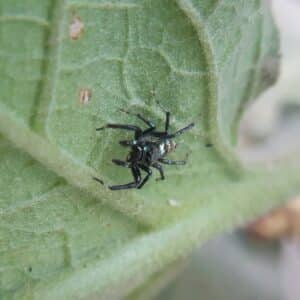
[80,62]
[59,243]
[201,60]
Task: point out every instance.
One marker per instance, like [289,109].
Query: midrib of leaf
[81,177]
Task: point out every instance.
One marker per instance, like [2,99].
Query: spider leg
[180,131]
[126,143]
[137,179]
[167,123]
[98,180]
[160,169]
[172,162]
[121,163]
[139,116]
[137,130]
[146,178]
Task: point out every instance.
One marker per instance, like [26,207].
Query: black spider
[148,149]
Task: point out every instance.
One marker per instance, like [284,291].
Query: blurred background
[262,259]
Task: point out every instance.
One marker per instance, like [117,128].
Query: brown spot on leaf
[76,28]
[85,96]
[281,222]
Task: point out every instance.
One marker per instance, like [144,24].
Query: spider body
[147,152]
[148,149]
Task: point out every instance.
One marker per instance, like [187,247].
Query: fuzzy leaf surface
[66,67]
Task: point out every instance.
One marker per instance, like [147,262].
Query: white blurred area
[287,14]
[263,120]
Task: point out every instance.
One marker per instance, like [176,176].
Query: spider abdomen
[166,146]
